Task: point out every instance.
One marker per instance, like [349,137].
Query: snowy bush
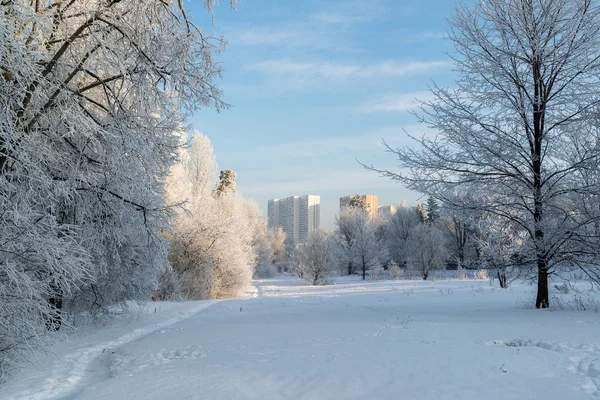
[395,272]
[575,303]
[460,272]
[378,273]
[482,274]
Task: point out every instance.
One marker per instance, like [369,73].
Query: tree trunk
[502,279]
[364,268]
[425,275]
[542,300]
[54,321]
[350,268]
[539,111]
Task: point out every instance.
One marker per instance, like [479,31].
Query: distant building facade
[370,199]
[298,216]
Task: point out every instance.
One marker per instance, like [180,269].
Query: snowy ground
[353,340]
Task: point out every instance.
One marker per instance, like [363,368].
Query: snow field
[353,340]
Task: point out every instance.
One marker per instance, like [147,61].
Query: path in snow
[353,340]
[68,375]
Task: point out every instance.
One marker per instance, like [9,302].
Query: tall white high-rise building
[298,216]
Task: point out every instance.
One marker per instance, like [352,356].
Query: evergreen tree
[421,212]
[433,210]
[359,202]
[226,183]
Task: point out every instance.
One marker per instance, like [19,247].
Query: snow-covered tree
[433,210]
[504,248]
[359,239]
[344,234]
[272,253]
[427,249]
[520,126]
[91,95]
[461,225]
[226,182]
[398,228]
[421,212]
[215,242]
[360,202]
[277,239]
[314,260]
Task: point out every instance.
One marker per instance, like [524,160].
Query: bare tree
[427,249]
[518,128]
[398,228]
[360,242]
[503,247]
[461,225]
[313,260]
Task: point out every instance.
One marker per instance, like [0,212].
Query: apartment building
[298,216]
[371,200]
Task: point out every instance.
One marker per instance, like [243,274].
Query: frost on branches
[313,261]
[520,130]
[359,241]
[426,249]
[216,240]
[90,95]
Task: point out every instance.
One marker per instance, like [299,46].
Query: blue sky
[315,85]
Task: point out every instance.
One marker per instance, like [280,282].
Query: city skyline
[383,210]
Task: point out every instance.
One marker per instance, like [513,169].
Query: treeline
[415,242]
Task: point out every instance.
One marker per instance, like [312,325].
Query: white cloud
[423,36]
[340,71]
[258,37]
[401,102]
[349,12]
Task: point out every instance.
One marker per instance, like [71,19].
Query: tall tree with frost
[433,210]
[360,241]
[427,249]
[398,229]
[518,129]
[277,239]
[216,240]
[345,236]
[90,96]
[421,212]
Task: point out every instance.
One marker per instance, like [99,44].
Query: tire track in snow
[70,372]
